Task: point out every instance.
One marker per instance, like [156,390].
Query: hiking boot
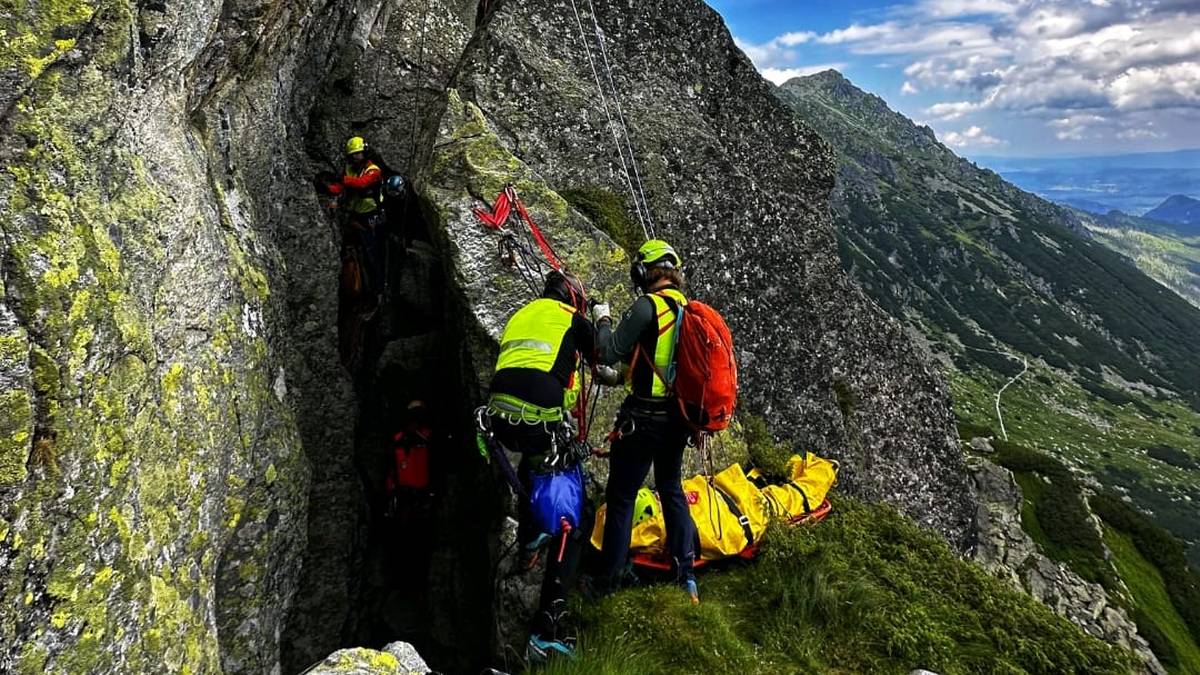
[689,586]
[540,651]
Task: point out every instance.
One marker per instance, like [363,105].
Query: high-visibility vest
[664,347]
[533,338]
[364,201]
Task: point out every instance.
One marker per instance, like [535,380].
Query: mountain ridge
[1180,211]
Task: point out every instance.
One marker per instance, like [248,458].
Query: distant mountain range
[1157,248]
[1132,184]
[1178,210]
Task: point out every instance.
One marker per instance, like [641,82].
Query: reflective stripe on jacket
[533,339]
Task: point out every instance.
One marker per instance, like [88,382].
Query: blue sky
[1000,77]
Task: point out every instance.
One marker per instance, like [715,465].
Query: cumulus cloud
[953,110]
[858,33]
[1045,59]
[971,137]
[1138,134]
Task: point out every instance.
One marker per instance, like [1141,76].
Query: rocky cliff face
[741,187]
[169,354]
[184,464]
[1005,549]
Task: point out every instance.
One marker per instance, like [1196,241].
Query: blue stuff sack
[555,496]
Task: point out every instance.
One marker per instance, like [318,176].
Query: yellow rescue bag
[732,512]
[811,478]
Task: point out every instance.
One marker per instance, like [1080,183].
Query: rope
[608,114]
[637,174]
[412,150]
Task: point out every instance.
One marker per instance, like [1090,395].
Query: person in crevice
[412,482]
[649,429]
[359,193]
[534,388]
[414,479]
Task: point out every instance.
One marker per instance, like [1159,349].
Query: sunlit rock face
[177,435]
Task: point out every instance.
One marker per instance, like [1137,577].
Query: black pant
[534,443]
[657,438]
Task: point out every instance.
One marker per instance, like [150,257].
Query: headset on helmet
[654,253]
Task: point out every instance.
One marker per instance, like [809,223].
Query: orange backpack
[705,369]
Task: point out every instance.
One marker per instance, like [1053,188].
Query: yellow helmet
[645,507]
[654,253]
[356,144]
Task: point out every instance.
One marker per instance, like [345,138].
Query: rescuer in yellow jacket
[534,388]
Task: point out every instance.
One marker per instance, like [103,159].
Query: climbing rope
[637,174]
[419,70]
[612,127]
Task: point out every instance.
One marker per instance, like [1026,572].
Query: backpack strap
[803,496]
[741,517]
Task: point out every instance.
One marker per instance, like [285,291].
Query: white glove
[600,311]
[608,376]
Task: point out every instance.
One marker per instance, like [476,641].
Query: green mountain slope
[1162,253]
[991,276]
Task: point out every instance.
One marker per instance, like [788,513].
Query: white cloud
[1046,60]
[1174,85]
[1139,134]
[952,110]
[777,52]
[858,33]
[949,9]
[971,137]
[793,39]
[781,75]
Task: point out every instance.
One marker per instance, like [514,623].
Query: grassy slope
[1048,411]
[865,591]
[1150,594]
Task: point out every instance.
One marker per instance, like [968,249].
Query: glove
[601,311]
[608,376]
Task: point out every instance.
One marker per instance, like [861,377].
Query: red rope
[498,215]
[495,218]
[537,235]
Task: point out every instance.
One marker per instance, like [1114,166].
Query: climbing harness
[489,445]
[638,194]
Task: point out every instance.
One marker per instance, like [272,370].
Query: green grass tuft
[865,591]
[765,453]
